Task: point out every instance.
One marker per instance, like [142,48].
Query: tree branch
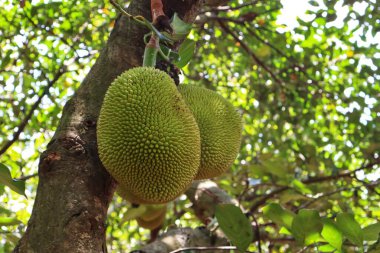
[229,8]
[23,123]
[249,51]
[219,248]
[314,180]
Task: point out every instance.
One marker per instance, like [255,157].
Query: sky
[297,8]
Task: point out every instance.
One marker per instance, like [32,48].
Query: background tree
[309,96]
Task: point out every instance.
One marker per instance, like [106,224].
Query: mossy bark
[74,190]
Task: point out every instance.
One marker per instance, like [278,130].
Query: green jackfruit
[153,212]
[220,126]
[153,219]
[148,138]
[127,195]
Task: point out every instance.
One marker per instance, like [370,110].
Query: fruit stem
[150,53]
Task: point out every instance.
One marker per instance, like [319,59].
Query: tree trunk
[74,189]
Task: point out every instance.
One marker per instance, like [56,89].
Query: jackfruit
[153,212]
[153,218]
[220,127]
[127,195]
[148,139]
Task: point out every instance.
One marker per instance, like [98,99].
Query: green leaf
[186,52]
[235,225]
[133,213]
[332,234]
[6,179]
[331,17]
[180,29]
[301,187]
[306,227]
[275,167]
[5,59]
[172,55]
[280,216]
[9,221]
[313,3]
[350,228]
[371,232]
[5,211]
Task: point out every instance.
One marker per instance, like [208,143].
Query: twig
[27,177]
[229,8]
[206,248]
[139,19]
[252,32]
[51,33]
[257,234]
[264,199]
[344,174]
[246,48]
[23,124]
[246,188]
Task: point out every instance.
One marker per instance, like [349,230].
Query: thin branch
[257,234]
[305,205]
[265,198]
[64,41]
[328,194]
[344,174]
[23,178]
[239,21]
[252,32]
[23,124]
[229,8]
[249,51]
[139,19]
[206,248]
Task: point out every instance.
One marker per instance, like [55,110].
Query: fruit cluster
[155,138]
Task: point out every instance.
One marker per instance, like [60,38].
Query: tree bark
[74,189]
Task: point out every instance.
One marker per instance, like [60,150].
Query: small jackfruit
[153,212]
[220,126]
[153,218]
[148,138]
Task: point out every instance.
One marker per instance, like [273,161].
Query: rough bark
[187,238]
[74,189]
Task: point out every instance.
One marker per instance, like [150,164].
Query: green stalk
[150,53]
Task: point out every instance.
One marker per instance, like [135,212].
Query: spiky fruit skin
[147,137]
[127,195]
[220,126]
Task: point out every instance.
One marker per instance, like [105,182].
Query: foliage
[307,173]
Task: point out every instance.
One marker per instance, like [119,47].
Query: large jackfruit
[220,126]
[148,139]
[127,195]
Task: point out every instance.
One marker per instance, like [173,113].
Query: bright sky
[293,9]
